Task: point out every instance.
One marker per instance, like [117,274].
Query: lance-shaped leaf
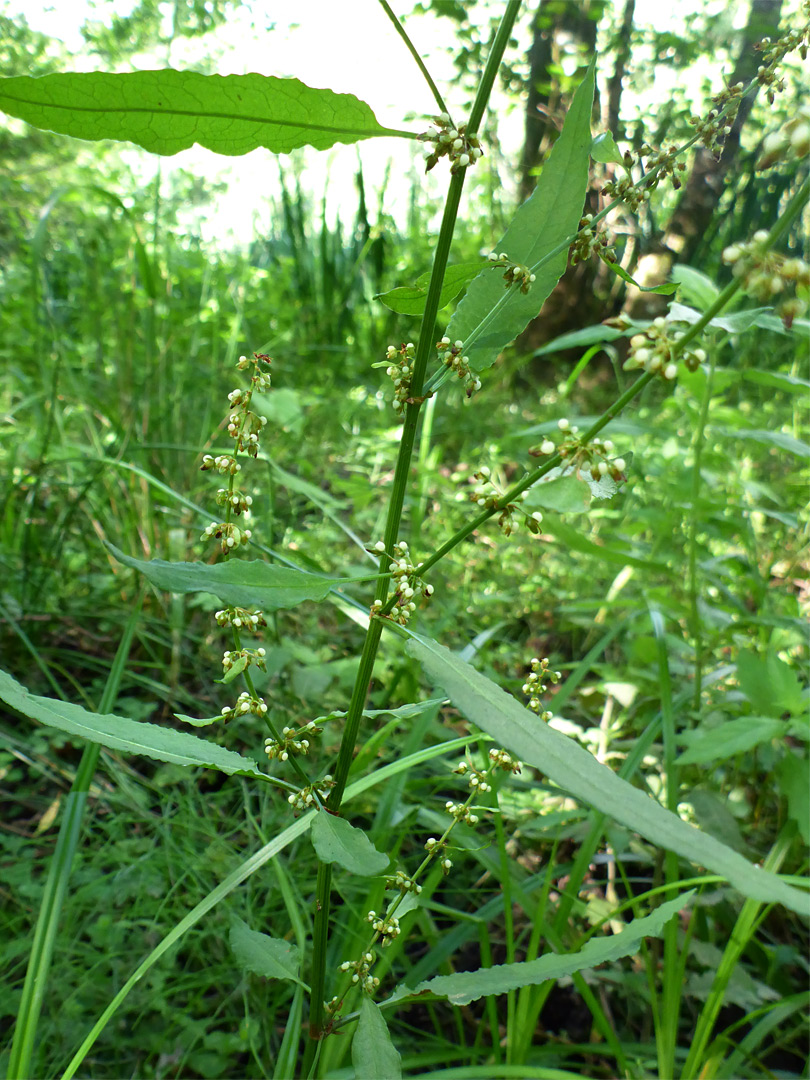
[374,1056]
[260,954]
[411,299]
[167,111]
[467,986]
[121,733]
[240,582]
[542,224]
[570,765]
[336,841]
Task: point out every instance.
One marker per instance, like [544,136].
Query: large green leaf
[121,733]
[467,986]
[260,954]
[729,738]
[374,1056]
[411,299]
[568,764]
[241,582]
[167,111]
[337,841]
[543,223]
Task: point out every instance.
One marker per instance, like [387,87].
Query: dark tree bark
[554,20]
[703,189]
[614,90]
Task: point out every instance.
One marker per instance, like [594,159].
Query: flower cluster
[434,848]
[291,741]
[535,685]
[663,163]
[245,703]
[230,536]
[515,273]
[243,658]
[486,495]
[463,150]
[406,581]
[765,274]
[773,52]
[590,241]
[625,190]
[653,351]
[312,794]
[385,925]
[405,884]
[718,122]
[222,463]
[362,972]
[595,454]
[244,427]
[398,366]
[477,780]
[461,812]
[241,619]
[235,501]
[792,140]
[500,759]
[451,354]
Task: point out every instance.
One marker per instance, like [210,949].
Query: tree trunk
[703,189]
[555,21]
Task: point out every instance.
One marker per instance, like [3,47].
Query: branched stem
[400,29]
[393,522]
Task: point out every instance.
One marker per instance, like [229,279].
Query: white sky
[346,45]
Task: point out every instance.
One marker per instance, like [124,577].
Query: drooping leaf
[167,111]
[589,335]
[714,817]
[374,1056]
[565,494]
[195,721]
[792,773]
[771,685]
[736,323]
[235,669]
[411,299]
[729,738]
[336,841]
[260,954]
[573,539]
[779,439]
[240,582]
[665,289]
[791,384]
[604,149]
[121,733]
[467,986]
[696,287]
[570,766]
[541,225]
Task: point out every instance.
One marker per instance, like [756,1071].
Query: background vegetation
[119,328]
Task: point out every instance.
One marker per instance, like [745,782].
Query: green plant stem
[394,518]
[400,29]
[674,956]
[698,442]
